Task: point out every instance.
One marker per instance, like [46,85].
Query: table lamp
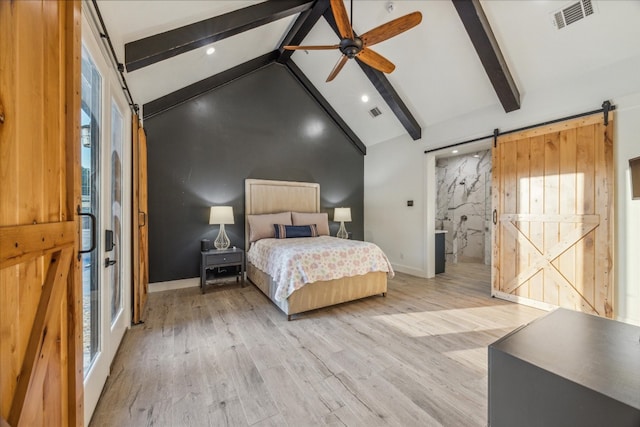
[343,215]
[221,215]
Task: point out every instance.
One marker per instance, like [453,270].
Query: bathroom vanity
[440,251]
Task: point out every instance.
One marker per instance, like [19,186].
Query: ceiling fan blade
[327,47]
[391,28]
[337,68]
[375,60]
[342,19]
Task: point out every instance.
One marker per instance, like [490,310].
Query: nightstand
[218,259]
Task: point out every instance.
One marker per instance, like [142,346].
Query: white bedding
[294,262]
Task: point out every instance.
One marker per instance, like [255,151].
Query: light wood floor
[229,358]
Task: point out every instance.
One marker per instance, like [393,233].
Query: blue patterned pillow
[290,231]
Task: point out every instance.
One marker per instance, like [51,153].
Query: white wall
[627,146]
[394,174]
[398,170]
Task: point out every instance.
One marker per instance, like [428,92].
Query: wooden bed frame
[264,197]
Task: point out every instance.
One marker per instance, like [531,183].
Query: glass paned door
[105,150]
[116,212]
[89,161]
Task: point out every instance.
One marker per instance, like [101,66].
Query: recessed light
[455,151]
[476,155]
[365,98]
[211,50]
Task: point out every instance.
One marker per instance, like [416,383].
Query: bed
[277,197]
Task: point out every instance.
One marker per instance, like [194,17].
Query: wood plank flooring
[229,358]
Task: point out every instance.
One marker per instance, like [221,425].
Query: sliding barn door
[140,226]
[553,216]
[40,288]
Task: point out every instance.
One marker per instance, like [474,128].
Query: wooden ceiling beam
[389,94]
[386,90]
[301,28]
[486,45]
[187,93]
[152,49]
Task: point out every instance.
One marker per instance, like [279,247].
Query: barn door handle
[495,217]
[94,240]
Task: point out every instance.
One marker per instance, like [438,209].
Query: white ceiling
[438,74]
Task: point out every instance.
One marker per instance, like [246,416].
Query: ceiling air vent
[573,13]
[375,112]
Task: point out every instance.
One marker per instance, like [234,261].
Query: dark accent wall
[264,125]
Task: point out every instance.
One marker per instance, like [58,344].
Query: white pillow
[321,220]
[261,226]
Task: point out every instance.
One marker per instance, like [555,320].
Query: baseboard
[408,270]
[174,284]
[628,320]
[548,307]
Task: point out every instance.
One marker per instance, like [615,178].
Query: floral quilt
[294,262]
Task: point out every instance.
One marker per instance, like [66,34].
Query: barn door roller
[606,106]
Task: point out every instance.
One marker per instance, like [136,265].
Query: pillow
[290,231]
[261,226]
[321,220]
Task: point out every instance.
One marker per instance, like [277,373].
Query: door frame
[431,197]
[110,337]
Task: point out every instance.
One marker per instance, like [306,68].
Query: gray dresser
[566,369]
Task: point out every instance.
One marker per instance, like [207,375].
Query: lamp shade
[342,214]
[221,215]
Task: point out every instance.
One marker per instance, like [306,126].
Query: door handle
[495,217]
[144,215]
[94,240]
[109,262]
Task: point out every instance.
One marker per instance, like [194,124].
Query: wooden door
[40,291]
[553,201]
[140,226]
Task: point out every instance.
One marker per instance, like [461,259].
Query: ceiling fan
[352,46]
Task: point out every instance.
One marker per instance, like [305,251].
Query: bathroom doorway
[463,206]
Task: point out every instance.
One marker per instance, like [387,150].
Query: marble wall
[464,206]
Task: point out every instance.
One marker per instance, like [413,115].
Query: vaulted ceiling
[465,56]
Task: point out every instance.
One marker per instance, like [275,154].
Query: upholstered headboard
[265,196]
